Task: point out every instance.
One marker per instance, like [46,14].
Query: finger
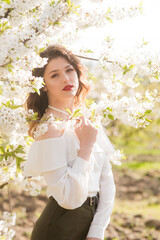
[78,122]
[83,119]
[88,121]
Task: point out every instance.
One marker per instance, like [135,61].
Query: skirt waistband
[92,201]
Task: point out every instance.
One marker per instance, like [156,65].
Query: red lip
[67,87]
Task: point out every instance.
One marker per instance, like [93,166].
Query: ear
[45,88]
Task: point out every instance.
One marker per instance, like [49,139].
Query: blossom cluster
[99,14]
[11,120]
[7,220]
[26,28]
[32,185]
[130,67]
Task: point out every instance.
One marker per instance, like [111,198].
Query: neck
[63,105]
[59,110]
[63,108]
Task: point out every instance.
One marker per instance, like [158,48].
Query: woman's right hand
[86,133]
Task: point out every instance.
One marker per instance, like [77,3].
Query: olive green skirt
[58,223]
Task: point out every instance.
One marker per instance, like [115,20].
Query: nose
[65,77]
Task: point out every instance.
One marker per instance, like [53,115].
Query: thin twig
[9,199]
[3,185]
[95,59]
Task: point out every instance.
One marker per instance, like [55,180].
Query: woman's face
[58,74]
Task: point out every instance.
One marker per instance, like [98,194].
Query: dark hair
[39,102]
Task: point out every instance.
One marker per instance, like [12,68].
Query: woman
[80,184]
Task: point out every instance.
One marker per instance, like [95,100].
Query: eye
[54,75]
[70,69]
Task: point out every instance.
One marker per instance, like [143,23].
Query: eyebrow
[56,70]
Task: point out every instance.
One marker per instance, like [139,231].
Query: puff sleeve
[107,188]
[68,185]
[106,202]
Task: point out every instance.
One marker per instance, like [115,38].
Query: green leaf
[131,66]
[77,113]
[29,140]
[5,23]
[51,2]
[109,109]
[8,27]
[108,11]
[140,7]
[147,112]
[68,110]
[76,13]
[138,79]
[19,149]
[18,161]
[77,110]
[35,115]
[89,51]
[41,50]
[88,101]
[78,6]
[109,19]
[2,150]
[58,119]
[141,4]
[6,1]
[1,89]
[145,42]
[37,91]
[148,120]
[10,104]
[69,3]
[9,66]
[5,169]
[93,113]
[110,117]
[127,69]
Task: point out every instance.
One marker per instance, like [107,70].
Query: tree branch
[3,185]
[95,59]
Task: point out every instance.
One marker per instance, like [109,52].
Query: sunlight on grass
[142,207]
[135,150]
[142,166]
[27,234]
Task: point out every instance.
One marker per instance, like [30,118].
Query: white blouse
[71,179]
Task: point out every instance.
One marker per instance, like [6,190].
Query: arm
[105,206]
[69,186]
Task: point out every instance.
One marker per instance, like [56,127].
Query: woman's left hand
[93,239]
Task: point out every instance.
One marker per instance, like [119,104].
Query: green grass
[134,147]
[142,166]
[130,150]
[135,141]
[142,207]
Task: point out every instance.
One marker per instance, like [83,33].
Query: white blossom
[27,28]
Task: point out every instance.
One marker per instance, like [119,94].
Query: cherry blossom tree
[26,28]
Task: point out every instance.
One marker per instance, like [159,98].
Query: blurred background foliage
[132,141]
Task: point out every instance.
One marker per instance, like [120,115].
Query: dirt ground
[136,214]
